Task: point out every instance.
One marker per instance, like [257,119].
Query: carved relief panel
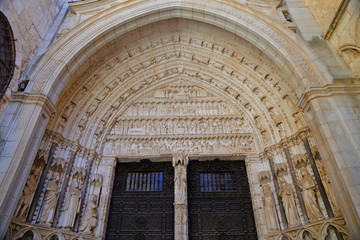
[179,117]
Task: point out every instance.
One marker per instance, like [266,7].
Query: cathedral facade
[180,119]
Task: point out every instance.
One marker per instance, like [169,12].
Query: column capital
[179,158]
[108,161]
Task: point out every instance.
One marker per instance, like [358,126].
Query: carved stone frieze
[183,126]
[195,145]
[318,230]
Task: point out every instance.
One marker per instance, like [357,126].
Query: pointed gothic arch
[50,77]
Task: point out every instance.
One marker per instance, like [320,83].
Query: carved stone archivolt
[230,71]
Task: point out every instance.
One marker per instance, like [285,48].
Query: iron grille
[144,181]
[217,181]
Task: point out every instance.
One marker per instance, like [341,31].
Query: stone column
[106,168]
[180,162]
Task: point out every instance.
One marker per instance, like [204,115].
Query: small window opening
[217,181]
[144,181]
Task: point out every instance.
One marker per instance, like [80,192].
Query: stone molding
[182,9]
[349,87]
[34,98]
[316,229]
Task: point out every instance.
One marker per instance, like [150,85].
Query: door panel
[219,201]
[142,202]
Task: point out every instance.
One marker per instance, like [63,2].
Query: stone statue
[50,201]
[72,206]
[89,220]
[180,163]
[288,200]
[308,187]
[26,198]
[269,208]
[328,188]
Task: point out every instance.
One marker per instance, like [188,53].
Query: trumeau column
[333,116]
[22,127]
[180,163]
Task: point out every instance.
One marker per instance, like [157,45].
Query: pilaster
[21,127]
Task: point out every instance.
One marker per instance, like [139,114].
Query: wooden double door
[219,202]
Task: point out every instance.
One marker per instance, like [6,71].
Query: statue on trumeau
[89,220]
[288,200]
[308,188]
[180,164]
[50,201]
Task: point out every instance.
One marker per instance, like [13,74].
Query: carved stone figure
[269,208]
[89,220]
[288,200]
[180,163]
[72,206]
[328,188]
[25,201]
[308,187]
[51,197]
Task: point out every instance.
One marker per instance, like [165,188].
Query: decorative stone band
[41,232]
[318,230]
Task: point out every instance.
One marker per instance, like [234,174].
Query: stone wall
[339,21]
[30,21]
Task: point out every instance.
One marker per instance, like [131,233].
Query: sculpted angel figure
[89,220]
[308,188]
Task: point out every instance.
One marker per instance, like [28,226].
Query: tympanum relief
[179,117]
